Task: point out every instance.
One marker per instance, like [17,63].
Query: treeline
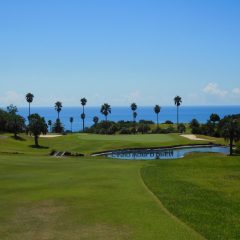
[133,127]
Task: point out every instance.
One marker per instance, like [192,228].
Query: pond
[162,153]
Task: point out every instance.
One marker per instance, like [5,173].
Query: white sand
[50,136]
[193,137]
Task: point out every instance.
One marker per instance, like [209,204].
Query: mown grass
[202,190]
[90,143]
[80,198]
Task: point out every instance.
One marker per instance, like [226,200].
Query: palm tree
[58,107]
[95,120]
[157,110]
[50,125]
[105,110]
[134,108]
[29,98]
[71,121]
[177,102]
[83,102]
[231,131]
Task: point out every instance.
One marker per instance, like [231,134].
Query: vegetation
[177,102]
[231,131]
[71,122]
[202,190]
[13,122]
[105,110]
[37,126]
[58,108]
[83,115]
[157,110]
[29,99]
[58,127]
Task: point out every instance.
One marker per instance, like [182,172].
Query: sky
[120,51]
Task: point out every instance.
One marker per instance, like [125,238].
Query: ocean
[186,114]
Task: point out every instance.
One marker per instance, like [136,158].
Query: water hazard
[162,153]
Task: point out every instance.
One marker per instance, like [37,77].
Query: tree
[134,108]
[157,110]
[58,107]
[15,123]
[58,127]
[83,102]
[214,118]
[105,110]
[231,131]
[37,126]
[71,121]
[177,102]
[95,120]
[50,125]
[195,126]
[29,98]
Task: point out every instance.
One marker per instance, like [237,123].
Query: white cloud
[134,96]
[236,91]
[213,89]
[11,97]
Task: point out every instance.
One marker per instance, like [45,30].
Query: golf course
[46,197]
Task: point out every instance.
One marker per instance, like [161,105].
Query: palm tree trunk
[71,127]
[157,119]
[83,119]
[58,114]
[28,109]
[177,117]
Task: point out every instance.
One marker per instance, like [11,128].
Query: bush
[181,128]
[168,122]
[125,131]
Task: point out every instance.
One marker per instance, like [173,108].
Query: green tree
[95,120]
[214,118]
[15,123]
[71,122]
[105,110]
[134,108]
[58,107]
[177,102]
[29,98]
[58,127]
[231,131]
[157,110]
[50,125]
[83,102]
[37,126]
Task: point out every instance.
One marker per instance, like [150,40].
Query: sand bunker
[193,137]
[50,136]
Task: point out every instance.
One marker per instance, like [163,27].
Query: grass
[90,143]
[202,190]
[43,197]
[87,198]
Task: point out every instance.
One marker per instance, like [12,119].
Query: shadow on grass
[38,147]
[18,138]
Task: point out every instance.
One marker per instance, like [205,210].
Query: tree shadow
[18,138]
[38,147]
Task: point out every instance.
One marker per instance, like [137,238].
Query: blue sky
[120,51]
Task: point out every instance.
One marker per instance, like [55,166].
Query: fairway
[48,198]
[43,197]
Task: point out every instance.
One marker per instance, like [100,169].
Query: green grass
[43,197]
[90,143]
[80,198]
[201,190]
